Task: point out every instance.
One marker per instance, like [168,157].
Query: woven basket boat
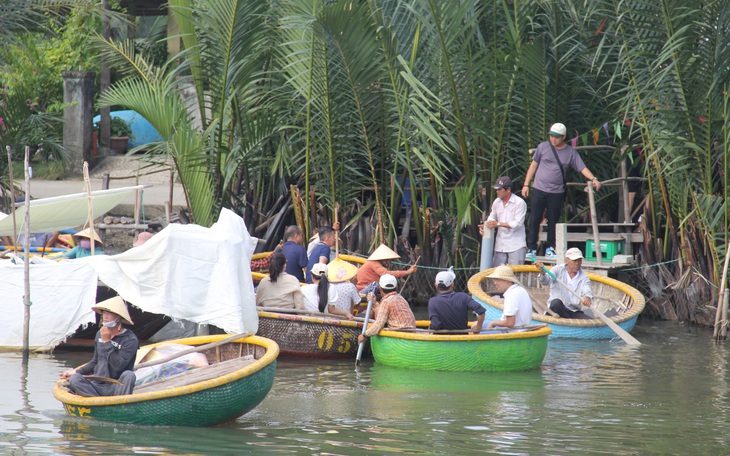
[631,301]
[228,388]
[506,350]
[311,336]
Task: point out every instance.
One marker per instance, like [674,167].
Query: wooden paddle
[102,379]
[193,350]
[364,328]
[623,334]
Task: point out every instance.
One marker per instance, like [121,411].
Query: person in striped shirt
[393,310]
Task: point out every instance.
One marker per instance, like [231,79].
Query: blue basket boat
[615,297]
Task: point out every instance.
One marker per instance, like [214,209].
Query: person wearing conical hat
[377,265]
[340,274]
[517,306]
[450,309]
[115,349]
[83,245]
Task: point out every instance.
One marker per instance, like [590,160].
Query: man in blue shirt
[451,310]
[321,253]
[294,251]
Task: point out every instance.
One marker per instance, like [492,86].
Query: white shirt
[581,284]
[311,297]
[517,304]
[513,213]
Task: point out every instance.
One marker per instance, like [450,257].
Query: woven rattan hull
[310,336]
[512,351]
[481,289]
[205,403]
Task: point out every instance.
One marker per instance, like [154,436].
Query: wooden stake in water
[26,260]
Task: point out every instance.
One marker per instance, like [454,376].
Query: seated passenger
[83,245]
[279,289]
[393,312]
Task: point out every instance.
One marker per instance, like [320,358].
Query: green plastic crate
[609,249]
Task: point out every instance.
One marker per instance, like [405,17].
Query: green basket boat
[502,351]
[235,385]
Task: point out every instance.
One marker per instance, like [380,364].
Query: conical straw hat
[339,270]
[87,234]
[384,253]
[115,305]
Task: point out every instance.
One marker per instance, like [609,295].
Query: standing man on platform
[508,217]
[549,167]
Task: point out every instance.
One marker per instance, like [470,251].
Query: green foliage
[117,127]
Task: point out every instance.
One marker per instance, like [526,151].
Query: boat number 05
[326,341]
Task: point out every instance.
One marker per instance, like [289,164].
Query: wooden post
[168,207]
[90,214]
[561,242]
[12,195]
[26,261]
[720,298]
[594,224]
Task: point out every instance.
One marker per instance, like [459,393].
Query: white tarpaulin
[64,212]
[189,272]
[61,296]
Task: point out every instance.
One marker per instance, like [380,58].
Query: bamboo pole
[12,196]
[720,300]
[90,215]
[26,261]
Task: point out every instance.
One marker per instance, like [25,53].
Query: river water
[668,396]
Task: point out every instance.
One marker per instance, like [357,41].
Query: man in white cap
[517,306]
[377,265]
[115,349]
[549,167]
[508,217]
[562,301]
[451,310]
[393,310]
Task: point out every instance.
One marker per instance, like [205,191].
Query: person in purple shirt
[321,253]
[548,189]
[294,251]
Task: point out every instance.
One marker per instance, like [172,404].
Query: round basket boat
[239,377]
[504,350]
[616,297]
[311,336]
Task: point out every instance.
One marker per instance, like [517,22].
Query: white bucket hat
[574,253]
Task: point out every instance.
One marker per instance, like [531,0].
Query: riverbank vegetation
[393,117]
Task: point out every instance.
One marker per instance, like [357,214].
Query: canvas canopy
[64,212]
[187,272]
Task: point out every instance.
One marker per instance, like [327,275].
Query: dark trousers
[89,388]
[553,202]
[557,306]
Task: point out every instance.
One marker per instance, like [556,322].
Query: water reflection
[668,396]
